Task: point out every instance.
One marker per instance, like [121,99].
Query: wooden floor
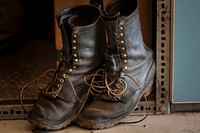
[173,123]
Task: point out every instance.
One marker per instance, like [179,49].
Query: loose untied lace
[101,86]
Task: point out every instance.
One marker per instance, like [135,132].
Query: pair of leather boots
[98,82]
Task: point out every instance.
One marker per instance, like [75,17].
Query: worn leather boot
[129,72]
[83,35]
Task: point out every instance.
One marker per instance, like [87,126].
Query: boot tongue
[114,65]
[110,16]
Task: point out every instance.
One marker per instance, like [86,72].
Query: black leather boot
[83,35]
[129,72]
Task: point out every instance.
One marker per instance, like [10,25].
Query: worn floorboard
[173,123]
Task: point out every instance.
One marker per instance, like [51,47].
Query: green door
[186,86]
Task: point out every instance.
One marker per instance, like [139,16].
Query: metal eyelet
[122,23]
[75,55]
[75,36]
[65,76]
[125,67]
[74,41]
[59,85]
[74,47]
[62,80]
[76,31]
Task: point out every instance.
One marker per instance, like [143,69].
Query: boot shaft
[122,23]
[83,37]
[127,54]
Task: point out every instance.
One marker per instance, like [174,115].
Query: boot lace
[52,86]
[97,87]
[100,84]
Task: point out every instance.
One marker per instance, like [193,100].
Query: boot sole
[37,123]
[114,121]
[43,126]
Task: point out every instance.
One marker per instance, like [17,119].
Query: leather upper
[84,39]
